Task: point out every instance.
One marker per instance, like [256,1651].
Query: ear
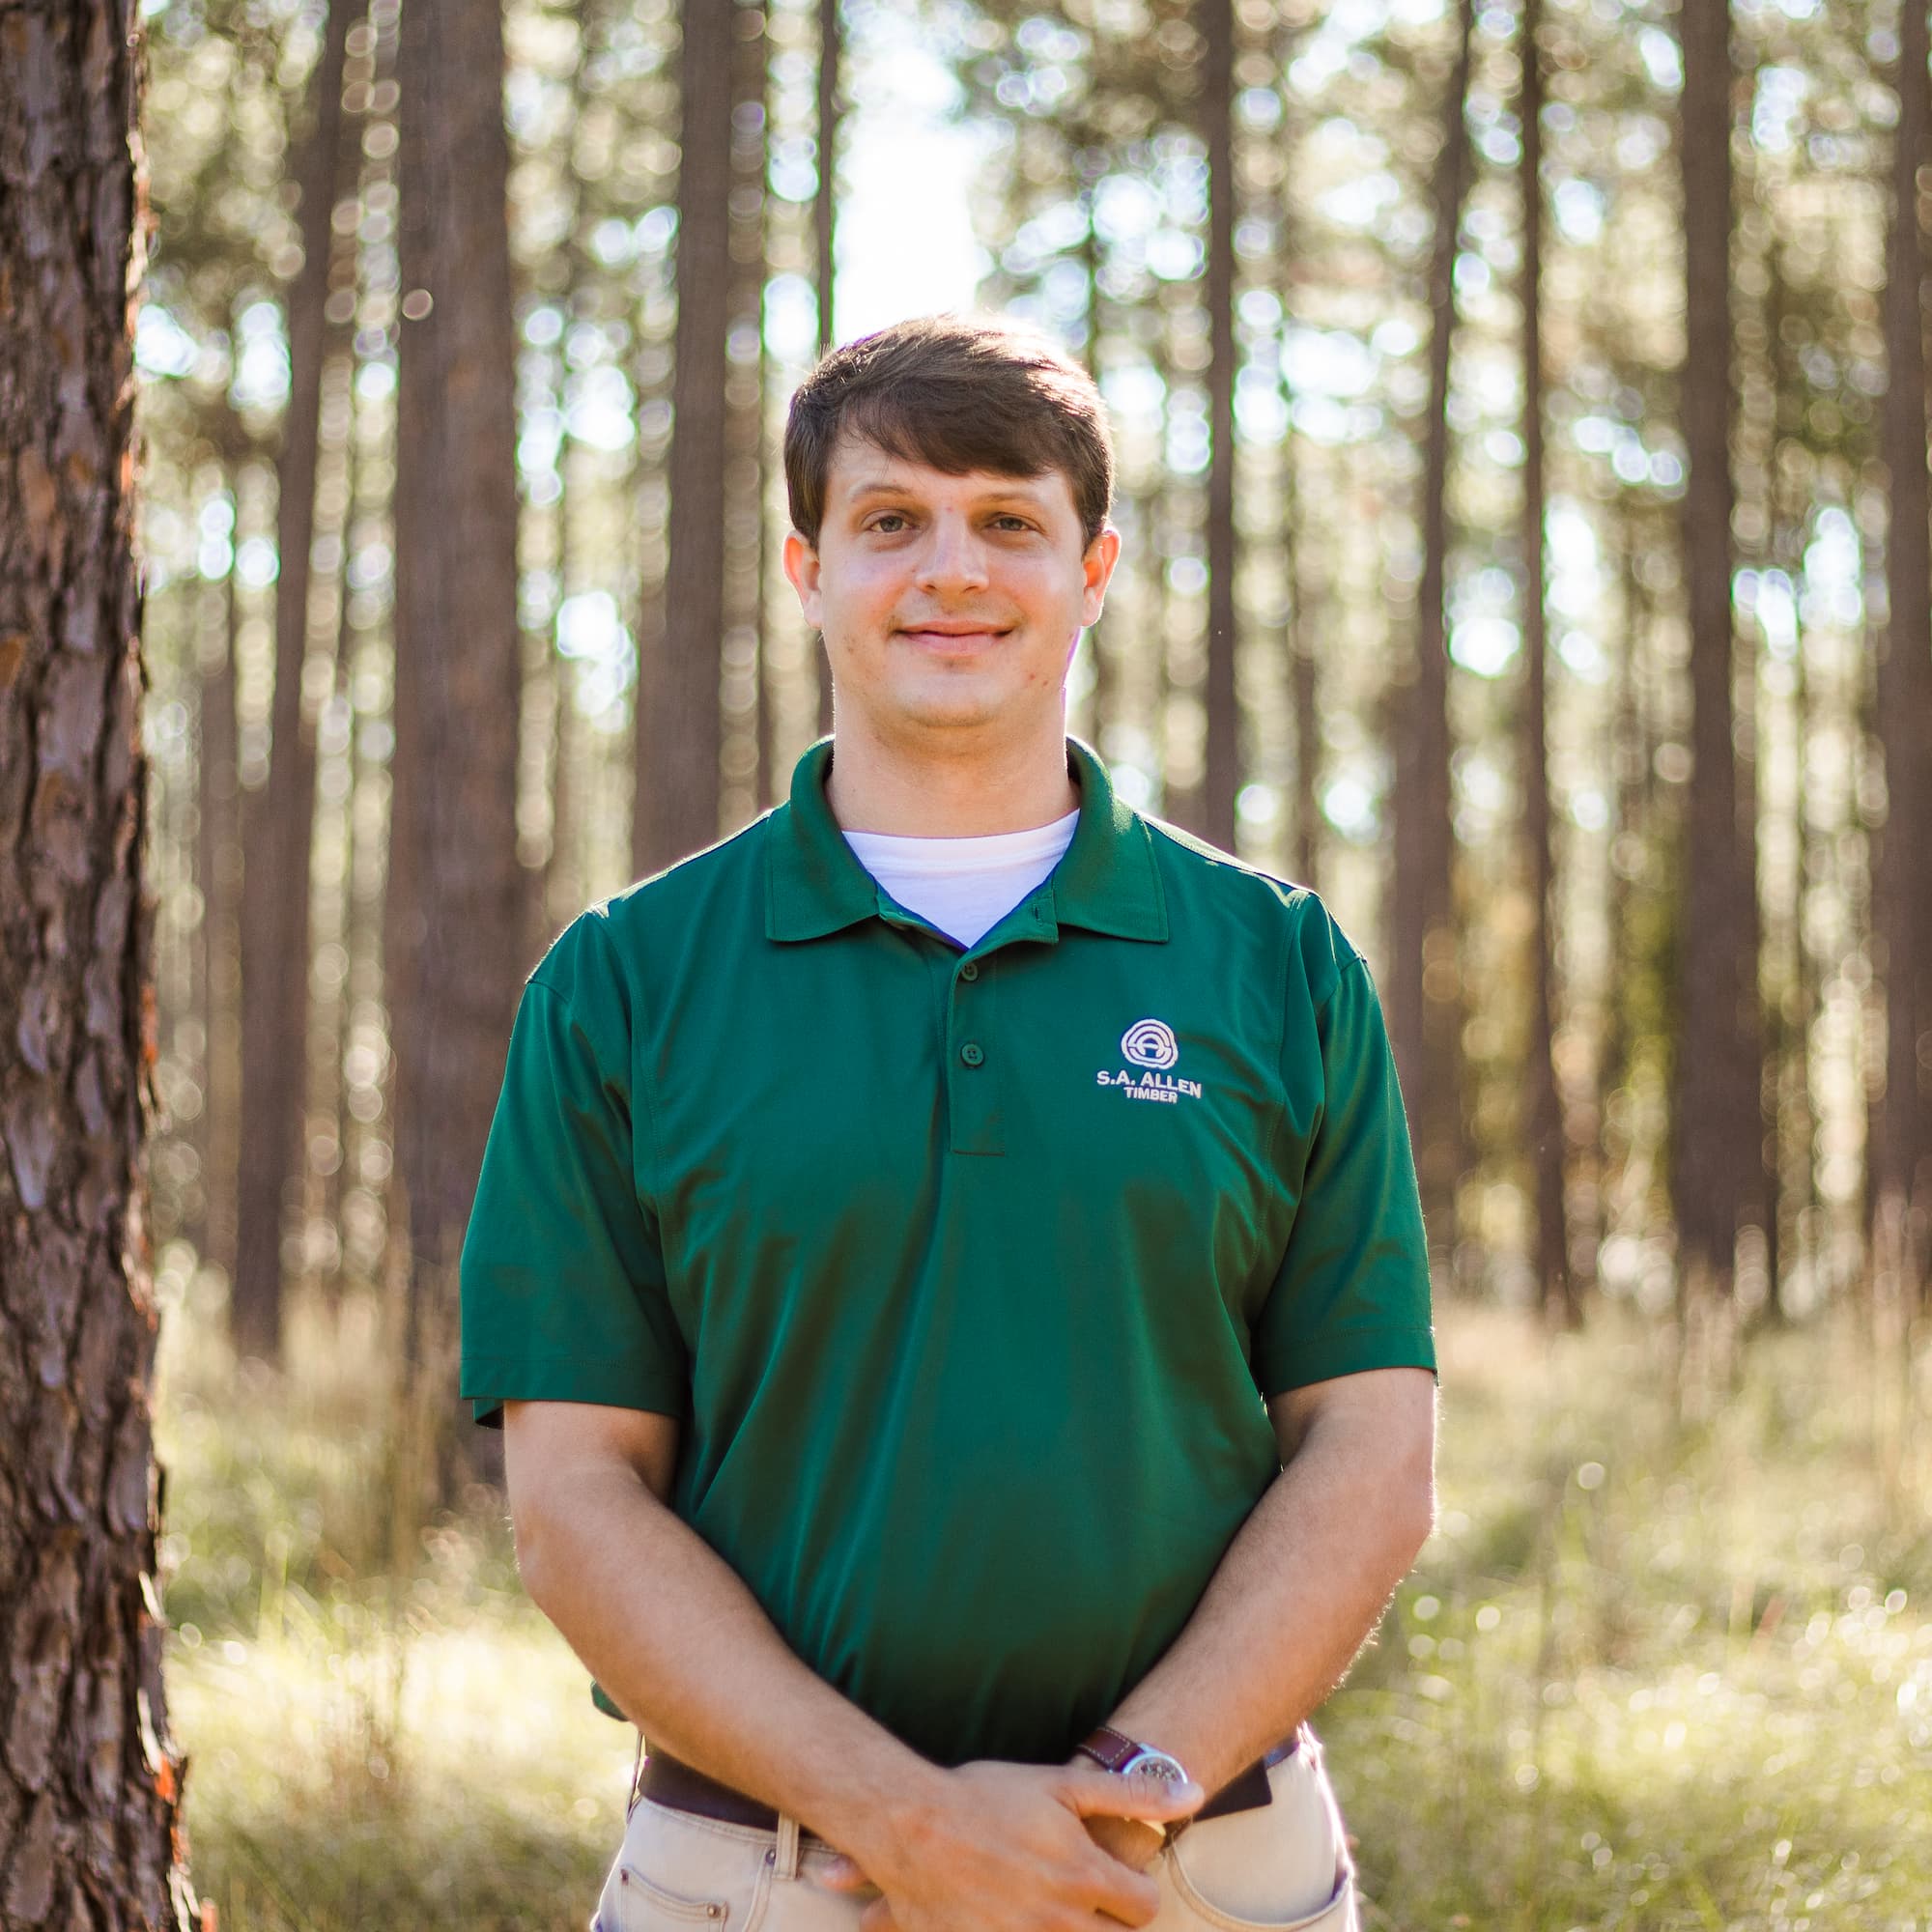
[1097,565]
[801,566]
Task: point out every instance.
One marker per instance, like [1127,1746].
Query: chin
[956,705]
[948,715]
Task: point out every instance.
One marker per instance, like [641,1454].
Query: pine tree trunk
[678,718]
[1304,685]
[89,1783]
[456,625]
[279,822]
[1299,633]
[218,862]
[748,752]
[1168,533]
[1717,1124]
[1306,698]
[1425,1004]
[1221,774]
[1542,1113]
[1902,1177]
[1101,639]
[824,210]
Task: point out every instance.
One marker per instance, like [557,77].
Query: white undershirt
[963,886]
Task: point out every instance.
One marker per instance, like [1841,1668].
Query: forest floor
[1666,1663]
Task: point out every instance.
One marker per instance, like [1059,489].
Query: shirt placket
[974,1069]
[973,1051]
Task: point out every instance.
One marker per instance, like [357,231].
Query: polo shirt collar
[1106,881]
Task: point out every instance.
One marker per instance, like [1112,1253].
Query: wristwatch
[1113,1751]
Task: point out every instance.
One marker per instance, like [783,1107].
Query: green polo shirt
[966,1271]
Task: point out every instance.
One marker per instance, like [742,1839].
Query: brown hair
[957,394]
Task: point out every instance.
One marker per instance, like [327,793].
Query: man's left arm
[1299,1588]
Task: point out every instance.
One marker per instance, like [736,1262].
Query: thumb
[842,1874]
[1136,1794]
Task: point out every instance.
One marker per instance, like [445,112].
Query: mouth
[953,634]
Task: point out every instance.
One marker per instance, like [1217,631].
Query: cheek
[866,592]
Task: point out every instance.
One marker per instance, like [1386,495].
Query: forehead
[860,469]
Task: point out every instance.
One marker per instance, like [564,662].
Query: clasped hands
[1017,1848]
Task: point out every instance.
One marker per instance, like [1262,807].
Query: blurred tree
[1718,1130]
[1902,1172]
[824,211]
[1542,1113]
[216,865]
[278,826]
[1425,1003]
[1221,777]
[678,714]
[457,656]
[90,1782]
[747,695]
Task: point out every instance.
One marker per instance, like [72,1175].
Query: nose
[952,557]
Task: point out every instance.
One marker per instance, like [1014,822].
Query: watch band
[1109,1748]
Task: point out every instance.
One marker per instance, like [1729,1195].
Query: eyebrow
[1021,488]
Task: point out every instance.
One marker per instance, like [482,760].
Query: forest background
[1522,418]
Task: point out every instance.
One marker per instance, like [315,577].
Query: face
[947,603]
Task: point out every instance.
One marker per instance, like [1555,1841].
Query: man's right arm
[680,1643]
[671,1631]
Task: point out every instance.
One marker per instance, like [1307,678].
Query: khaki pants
[1282,1866]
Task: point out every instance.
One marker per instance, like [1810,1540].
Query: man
[949,1265]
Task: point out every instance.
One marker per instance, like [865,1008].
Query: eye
[886,517]
[1009,517]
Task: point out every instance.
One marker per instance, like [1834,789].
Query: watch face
[1156,1764]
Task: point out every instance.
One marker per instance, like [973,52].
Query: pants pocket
[1283,1867]
[1335,1913]
[634,1903]
[677,1873]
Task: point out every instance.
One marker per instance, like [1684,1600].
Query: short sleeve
[562,1275]
[1351,1292]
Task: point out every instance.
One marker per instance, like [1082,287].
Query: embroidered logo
[1151,1043]
[1151,1046]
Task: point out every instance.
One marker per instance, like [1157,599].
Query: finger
[1139,1793]
[841,1874]
[1132,1841]
[878,1918]
[1126,1895]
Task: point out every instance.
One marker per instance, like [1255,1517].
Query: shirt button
[972,1053]
[969,970]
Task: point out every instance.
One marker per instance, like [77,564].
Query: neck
[963,790]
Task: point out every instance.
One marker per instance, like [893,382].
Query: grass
[1649,1673]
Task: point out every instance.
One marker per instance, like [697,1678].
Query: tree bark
[1425,1004]
[1717,1122]
[1541,1112]
[278,822]
[456,629]
[1902,1184]
[90,1782]
[1221,773]
[678,713]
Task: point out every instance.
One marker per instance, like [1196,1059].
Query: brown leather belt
[668,1781]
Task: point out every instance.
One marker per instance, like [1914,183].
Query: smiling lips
[952,631]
